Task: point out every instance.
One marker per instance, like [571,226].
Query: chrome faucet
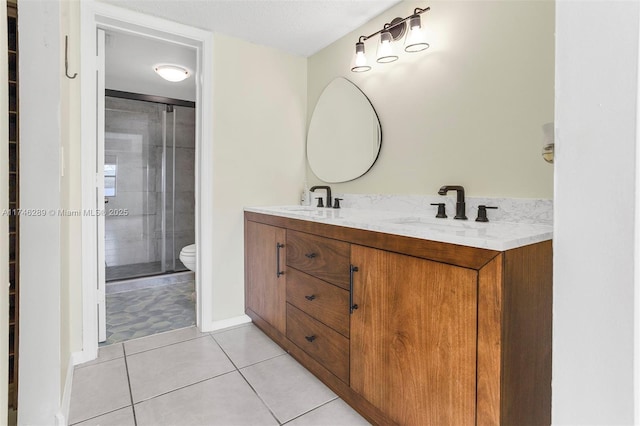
[326,188]
[460,205]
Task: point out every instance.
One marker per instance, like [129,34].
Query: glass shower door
[140,180]
[168,189]
[183,183]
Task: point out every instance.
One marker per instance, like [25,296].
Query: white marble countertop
[499,236]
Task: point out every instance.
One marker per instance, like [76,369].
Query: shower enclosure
[149,184]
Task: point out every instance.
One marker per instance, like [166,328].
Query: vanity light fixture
[173,73]
[386,52]
[415,40]
[360,60]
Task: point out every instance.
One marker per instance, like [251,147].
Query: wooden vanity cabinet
[327,303]
[265,278]
[413,337]
[442,334]
[321,257]
[318,299]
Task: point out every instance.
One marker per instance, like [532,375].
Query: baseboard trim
[83,356]
[62,416]
[226,323]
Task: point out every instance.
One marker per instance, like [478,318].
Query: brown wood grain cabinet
[324,258]
[413,337]
[266,286]
[327,303]
[442,334]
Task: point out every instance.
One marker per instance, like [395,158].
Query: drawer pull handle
[310,298]
[352,306]
[311,255]
[278,271]
[310,338]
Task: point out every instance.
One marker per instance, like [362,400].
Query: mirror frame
[379,128]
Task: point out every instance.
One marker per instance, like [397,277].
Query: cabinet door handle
[310,298]
[310,338]
[311,255]
[278,271]
[352,306]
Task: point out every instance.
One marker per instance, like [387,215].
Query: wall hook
[66,59]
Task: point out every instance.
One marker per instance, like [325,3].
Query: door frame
[96,15]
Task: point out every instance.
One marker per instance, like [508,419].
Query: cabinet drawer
[318,256]
[327,346]
[323,301]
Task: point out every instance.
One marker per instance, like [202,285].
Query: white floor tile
[247,345]
[105,353]
[122,417]
[335,413]
[226,400]
[99,389]
[287,388]
[161,339]
[183,378]
[164,369]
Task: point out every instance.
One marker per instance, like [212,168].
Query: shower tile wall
[133,141]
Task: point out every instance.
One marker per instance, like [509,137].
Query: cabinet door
[266,288]
[413,337]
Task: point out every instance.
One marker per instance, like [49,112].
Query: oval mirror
[344,135]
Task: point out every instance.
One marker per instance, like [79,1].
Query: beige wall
[468,110]
[70,192]
[41,344]
[259,126]
[51,293]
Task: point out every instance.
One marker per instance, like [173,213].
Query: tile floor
[139,313]
[236,376]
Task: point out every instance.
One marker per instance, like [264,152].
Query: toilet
[188,256]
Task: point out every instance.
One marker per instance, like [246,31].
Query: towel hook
[66,59]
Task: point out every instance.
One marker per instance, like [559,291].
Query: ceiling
[130,62]
[299,27]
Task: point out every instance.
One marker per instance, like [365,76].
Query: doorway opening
[99,18]
[149,189]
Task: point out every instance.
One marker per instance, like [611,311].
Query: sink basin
[300,209]
[424,221]
[448,226]
[305,211]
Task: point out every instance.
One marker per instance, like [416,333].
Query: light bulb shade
[359,62]
[386,52]
[173,73]
[416,39]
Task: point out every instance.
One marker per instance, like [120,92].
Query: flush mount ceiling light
[415,40]
[173,73]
